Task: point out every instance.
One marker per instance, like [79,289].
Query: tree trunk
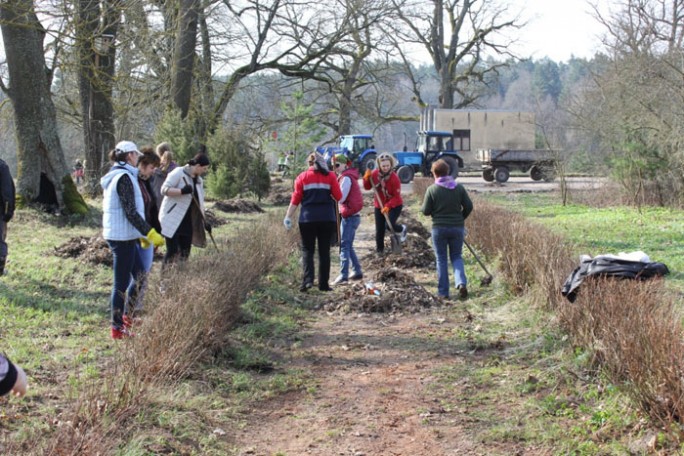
[39,148]
[184,55]
[96,72]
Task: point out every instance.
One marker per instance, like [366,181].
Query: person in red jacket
[350,212]
[385,181]
[317,190]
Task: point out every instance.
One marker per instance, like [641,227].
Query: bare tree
[39,148]
[184,55]
[636,103]
[458,35]
[95,34]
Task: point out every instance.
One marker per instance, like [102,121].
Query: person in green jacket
[449,205]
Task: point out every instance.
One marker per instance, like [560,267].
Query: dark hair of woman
[149,157]
[117,155]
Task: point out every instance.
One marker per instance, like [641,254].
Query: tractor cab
[360,150]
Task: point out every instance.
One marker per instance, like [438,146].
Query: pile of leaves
[399,293]
[415,253]
[281,192]
[212,219]
[94,250]
[238,205]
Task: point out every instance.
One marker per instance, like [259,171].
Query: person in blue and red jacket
[317,191]
[386,183]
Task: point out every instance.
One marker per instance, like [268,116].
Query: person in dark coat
[7,199]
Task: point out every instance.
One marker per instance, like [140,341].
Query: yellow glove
[156,238]
[367,174]
[385,210]
[144,243]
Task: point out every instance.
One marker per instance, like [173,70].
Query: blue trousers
[138,285]
[448,245]
[127,266]
[348,256]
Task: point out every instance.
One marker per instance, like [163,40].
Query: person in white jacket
[182,209]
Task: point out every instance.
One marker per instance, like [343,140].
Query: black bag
[610,267]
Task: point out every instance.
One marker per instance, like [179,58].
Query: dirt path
[374,374]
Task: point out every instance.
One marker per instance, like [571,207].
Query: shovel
[394,237]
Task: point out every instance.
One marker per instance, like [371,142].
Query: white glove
[287,222]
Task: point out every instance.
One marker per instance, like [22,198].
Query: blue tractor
[430,146]
[359,149]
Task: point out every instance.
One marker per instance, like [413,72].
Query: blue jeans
[448,240]
[348,229]
[127,265]
[138,285]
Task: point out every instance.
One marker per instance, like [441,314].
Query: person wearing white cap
[124,225]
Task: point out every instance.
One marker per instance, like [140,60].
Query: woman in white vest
[182,209]
[124,225]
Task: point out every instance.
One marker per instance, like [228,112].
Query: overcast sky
[559,29]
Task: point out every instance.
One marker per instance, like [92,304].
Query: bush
[186,323]
[631,327]
[237,168]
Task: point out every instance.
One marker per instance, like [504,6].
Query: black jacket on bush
[610,267]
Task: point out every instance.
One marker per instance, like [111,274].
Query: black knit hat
[199,159]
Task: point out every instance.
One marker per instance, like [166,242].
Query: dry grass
[530,257]
[632,327]
[635,333]
[186,321]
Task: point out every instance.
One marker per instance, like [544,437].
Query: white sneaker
[339,280]
[404,230]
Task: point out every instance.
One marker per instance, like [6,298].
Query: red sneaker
[121,333]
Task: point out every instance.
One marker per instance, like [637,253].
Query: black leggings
[311,233]
[380,224]
[177,246]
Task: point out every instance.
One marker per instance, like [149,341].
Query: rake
[488,278]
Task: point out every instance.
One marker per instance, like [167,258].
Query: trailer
[497,164]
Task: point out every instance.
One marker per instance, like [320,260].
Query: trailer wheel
[536,173]
[501,174]
[367,163]
[549,176]
[453,166]
[405,174]
[488,175]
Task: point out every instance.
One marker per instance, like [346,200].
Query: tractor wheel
[367,163]
[405,174]
[536,173]
[453,166]
[501,174]
[488,175]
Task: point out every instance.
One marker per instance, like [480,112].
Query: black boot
[2,265]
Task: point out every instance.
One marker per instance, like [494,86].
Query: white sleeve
[345,186]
